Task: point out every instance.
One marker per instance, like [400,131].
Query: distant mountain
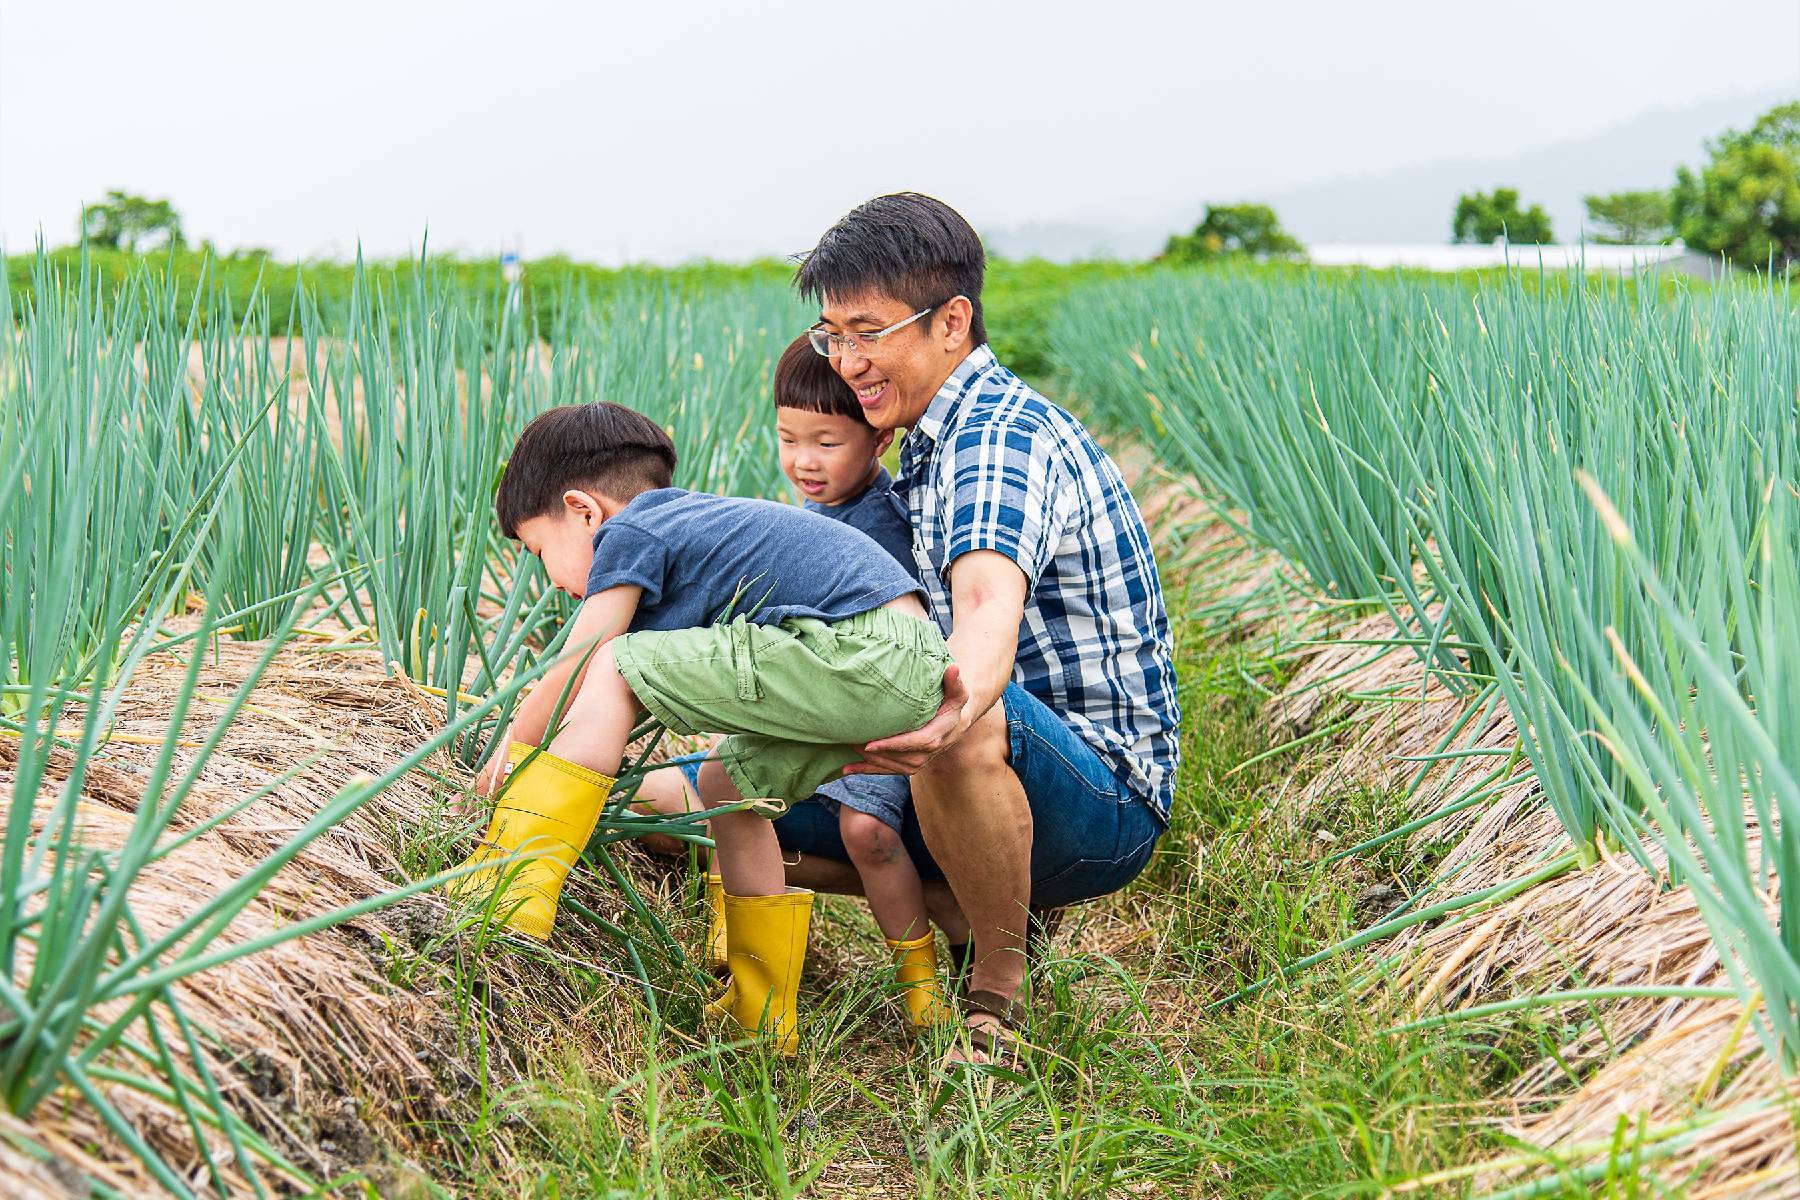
[1414,204]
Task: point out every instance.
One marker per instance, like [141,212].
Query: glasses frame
[823,339]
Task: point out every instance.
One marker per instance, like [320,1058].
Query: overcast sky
[665,131]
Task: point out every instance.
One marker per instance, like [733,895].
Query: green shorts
[798,699]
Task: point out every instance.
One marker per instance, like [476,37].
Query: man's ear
[955,316]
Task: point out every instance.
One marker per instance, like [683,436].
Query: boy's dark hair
[605,448]
[912,247]
[806,380]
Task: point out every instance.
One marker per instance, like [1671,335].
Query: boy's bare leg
[889,878]
[666,791]
[594,733]
[840,879]
[599,720]
[746,854]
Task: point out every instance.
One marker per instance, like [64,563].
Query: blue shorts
[1092,834]
[887,798]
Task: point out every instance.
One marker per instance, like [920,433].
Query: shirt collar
[937,414]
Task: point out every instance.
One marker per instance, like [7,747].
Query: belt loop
[740,659]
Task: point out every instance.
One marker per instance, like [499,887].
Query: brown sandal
[994,1044]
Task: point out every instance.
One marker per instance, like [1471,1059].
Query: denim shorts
[1092,835]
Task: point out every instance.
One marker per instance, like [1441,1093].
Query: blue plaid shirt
[992,465]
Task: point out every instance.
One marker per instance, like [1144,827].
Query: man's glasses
[834,345]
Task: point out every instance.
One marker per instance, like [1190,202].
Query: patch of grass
[1134,1087]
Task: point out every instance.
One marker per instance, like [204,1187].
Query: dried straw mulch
[1653,1064]
[337,1066]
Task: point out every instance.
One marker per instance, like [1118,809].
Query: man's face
[896,378]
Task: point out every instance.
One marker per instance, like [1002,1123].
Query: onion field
[1521,550]
[1579,502]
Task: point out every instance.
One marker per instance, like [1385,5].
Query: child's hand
[494,774]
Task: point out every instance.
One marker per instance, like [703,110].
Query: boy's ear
[883,442]
[583,506]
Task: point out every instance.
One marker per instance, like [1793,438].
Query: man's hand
[906,753]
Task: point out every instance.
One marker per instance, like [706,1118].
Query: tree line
[1743,204]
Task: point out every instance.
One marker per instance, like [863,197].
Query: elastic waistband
[915,632]
[885,623]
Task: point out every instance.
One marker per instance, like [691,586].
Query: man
[1048,773]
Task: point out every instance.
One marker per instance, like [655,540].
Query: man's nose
[850,363]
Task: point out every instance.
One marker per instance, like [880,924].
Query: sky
[662,132]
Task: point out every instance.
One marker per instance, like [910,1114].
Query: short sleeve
[625,554]
[1008,492]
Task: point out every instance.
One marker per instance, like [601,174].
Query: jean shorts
[1091,836]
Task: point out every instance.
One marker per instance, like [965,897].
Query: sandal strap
[1008,1010]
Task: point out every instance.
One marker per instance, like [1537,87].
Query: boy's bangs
[806,380]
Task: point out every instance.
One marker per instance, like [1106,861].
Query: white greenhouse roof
[1427,257]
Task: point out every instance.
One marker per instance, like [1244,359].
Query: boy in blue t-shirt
[798,638]
[832,456]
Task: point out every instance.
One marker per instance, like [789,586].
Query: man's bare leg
[822,875]
[977,823]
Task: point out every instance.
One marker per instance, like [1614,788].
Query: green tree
[1482,217]
[1231,229]
[127,222]
[1745,202]
[1629,218]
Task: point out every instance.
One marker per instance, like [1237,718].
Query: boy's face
[563,540]
[827,457]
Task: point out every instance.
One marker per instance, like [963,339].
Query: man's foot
[989,1036]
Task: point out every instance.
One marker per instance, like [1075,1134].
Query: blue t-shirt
[880,514]
[692,552]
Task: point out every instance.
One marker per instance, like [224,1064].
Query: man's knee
[983,752]
[866,839]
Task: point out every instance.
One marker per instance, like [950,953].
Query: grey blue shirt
[695,554]
[992,465]
[880,514]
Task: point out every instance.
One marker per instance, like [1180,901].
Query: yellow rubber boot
[916,967]
[715,929]
[547,810]
[765,948]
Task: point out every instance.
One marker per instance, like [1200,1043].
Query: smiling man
[1047,776]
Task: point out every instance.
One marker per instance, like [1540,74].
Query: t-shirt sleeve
[1008,493]
[626,554]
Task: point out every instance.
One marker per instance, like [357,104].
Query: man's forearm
[984,643]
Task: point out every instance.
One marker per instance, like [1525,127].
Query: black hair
[806,380]
[606,448]
[912,247]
